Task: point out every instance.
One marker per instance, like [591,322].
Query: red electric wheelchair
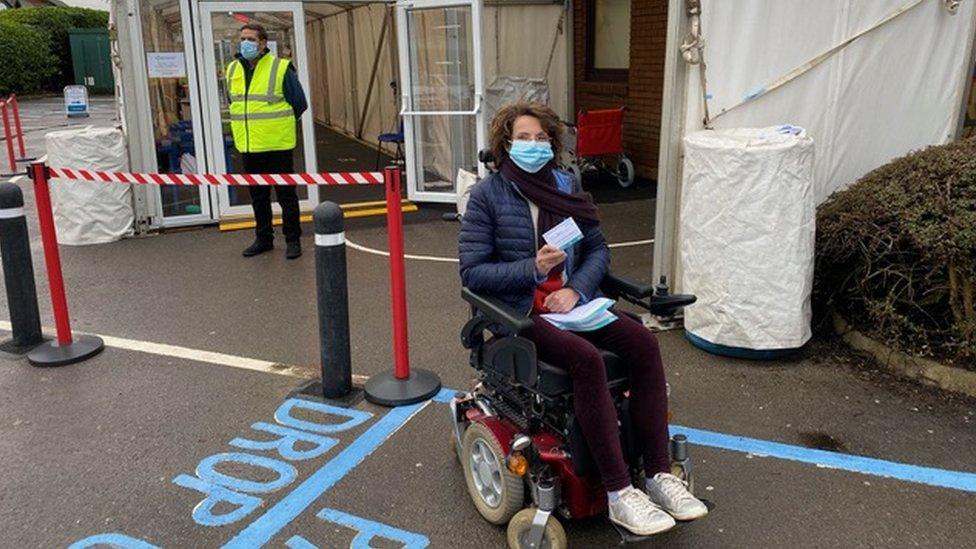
[523,454]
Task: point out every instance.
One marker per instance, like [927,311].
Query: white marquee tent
[869,80]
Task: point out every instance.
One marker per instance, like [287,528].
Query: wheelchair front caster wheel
[520,525]
[625,172]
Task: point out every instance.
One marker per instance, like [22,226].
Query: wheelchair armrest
[497,311]
[667,305]
[658,301]
[615,286]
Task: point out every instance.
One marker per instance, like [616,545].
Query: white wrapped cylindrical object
[748,221]
[87,212]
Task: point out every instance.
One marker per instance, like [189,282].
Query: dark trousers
[578,354]
[273,162]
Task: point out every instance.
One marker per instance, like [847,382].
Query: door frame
[215,151]
[407,112]
[144,105]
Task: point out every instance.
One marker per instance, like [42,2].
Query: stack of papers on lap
[584,318]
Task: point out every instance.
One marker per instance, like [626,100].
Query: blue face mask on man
[249,50]
[531,156]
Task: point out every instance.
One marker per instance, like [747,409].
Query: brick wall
[643,91]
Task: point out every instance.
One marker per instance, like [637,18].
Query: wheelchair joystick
[661,288]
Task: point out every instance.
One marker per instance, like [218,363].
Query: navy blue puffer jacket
[497,246]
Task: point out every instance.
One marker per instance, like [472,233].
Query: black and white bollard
[18,272]
[333,300]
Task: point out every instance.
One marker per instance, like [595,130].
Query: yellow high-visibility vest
[260,118]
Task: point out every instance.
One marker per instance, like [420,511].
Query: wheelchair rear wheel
[496,492]
[518,531]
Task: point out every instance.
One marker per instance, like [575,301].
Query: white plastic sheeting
[341,86]
[748,221]
[518,43]
[895,89]
[505,89]
[85,212]
[522,41]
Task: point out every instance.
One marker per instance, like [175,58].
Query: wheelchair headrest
[486,157]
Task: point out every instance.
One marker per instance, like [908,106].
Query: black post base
[313,390]
[11,350]
[385,389]
[51,354]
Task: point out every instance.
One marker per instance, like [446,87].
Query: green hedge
[896,253]
[27,64]
[55,22]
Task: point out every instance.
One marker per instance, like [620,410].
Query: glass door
[222,22]
[440,64]
[176,144]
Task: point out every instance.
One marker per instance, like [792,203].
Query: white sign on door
[166,65]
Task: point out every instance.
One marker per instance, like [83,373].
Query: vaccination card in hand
[564,235]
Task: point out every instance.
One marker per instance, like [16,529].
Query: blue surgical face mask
[249,50]
[531,156]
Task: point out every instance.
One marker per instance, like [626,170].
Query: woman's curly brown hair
[504,120]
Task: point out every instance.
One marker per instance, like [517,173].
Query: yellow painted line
[350,211]
[373,204]
[377,211]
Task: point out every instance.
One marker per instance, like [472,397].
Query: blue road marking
[368,529]
[366,532]
[116,540]
[286,445]
[298,542]
[943,478]
[292,505]
[956,480]
[445,395]
[207,471]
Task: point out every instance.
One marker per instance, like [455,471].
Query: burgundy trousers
[638,348]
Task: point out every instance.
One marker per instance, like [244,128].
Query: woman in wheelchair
[503,255]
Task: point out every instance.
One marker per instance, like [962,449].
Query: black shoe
[294,250]
[259,247]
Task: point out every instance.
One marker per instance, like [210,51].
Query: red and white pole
[15,107]
[67,349]
[403,386]
[8,136]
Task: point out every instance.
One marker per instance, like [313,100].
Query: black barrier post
[18,272]
[333,300]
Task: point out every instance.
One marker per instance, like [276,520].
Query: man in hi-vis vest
[266,102]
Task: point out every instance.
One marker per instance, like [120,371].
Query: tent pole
[395,70]
[666,244]
[967,86]
[570,113]
[372,76]
[354,89]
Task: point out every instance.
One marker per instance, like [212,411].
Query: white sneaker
[635,512]
[672,494]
